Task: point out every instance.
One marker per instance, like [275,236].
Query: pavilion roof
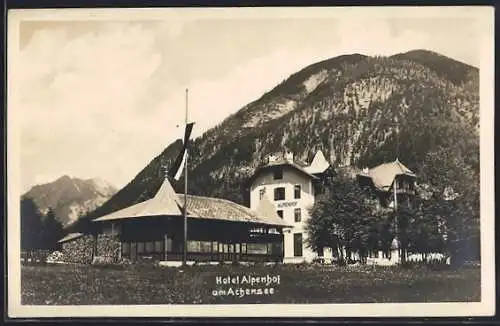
[167,202]
[384,174]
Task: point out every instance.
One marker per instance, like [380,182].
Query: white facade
[292,195]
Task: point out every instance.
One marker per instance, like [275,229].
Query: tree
[406,216]
[343,216]
[322,228]
[453,182]
[461,227]
[426,233]
[52,231]
[31,224]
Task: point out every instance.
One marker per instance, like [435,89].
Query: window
[298,214]
[243,248]
[206,246]
[297,244]
[262,193]
[140,247]
[169,244]
[318,189]
[150,246]
[257,248]
[199,246]
[125,248]
[279,193]
[296,192]
[280,213]
[278,174]
[159,246]
[193,246]
[269,248]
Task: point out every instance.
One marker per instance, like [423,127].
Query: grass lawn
[81,285]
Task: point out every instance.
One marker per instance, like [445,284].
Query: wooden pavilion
[218,229]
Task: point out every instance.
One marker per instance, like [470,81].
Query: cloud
[375,37]
[80,96]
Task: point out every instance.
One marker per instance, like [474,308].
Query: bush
[106,262]
[125,262]
[56,256]
[318,261]
[302,264]
[340,262]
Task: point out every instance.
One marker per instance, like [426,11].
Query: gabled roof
[283,163]
[318,165]
[267,208]
[168,203]
[222,209]
[70,236]
[384,174]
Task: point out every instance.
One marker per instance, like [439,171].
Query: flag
[180,162]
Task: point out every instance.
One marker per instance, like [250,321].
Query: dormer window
[278,174]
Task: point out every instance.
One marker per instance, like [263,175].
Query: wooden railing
[206,257]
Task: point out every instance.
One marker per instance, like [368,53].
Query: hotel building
[291,187]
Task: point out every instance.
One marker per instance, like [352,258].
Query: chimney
[289,156]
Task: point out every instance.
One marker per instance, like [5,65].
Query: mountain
[71,197]
[359,110]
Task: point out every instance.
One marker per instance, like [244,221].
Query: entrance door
[133,251]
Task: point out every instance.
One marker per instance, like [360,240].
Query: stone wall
[79,250]
[108,248]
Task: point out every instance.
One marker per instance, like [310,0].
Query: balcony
[407,191]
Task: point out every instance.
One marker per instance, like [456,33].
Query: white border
[486,307]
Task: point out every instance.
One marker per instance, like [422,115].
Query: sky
[102,98]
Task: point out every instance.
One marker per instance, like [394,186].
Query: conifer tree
[52,231]
[31,225]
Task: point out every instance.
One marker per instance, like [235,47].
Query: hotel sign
[287,204]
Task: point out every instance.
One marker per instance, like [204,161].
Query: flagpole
[396,216]
[184,260]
